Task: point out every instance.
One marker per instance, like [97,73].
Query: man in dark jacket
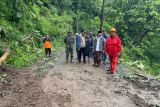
[89,46]
[78,40]
[104,56]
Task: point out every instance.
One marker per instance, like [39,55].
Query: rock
[1,94]
[118,92]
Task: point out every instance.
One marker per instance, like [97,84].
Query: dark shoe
[112,72]
[94,65]
[89,61]
[108,70]
[66,60]
[71,60]
[84,62]
[78,62]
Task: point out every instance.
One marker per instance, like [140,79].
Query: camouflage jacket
[69,41]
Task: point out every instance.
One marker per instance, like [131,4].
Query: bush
[135,53]
[20,58]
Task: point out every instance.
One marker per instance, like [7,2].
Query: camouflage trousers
[69,52]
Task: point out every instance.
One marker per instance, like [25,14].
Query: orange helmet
[113,30]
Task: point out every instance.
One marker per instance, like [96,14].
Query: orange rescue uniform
[112,48]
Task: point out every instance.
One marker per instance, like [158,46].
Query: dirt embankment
[19,88]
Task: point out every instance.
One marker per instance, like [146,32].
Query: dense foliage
[23,22]
[138,24]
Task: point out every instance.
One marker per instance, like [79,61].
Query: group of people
[98,47]
[87,45]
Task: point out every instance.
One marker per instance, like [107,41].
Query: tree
[102,15]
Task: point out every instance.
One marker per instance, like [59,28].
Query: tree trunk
[102,15]
[77,24]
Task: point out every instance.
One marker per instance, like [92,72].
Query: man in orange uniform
[113,47]
[47,45]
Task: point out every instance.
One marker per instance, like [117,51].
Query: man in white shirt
[82,47]
[98,48]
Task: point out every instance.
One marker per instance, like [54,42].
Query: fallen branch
[142,76]
[4,56]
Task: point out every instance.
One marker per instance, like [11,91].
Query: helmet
[113,30]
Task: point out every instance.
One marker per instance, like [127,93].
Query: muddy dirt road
[73,85]
[77,85]
[82,85]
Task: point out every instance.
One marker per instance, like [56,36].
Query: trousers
[97,57]
[82,51]
[113,63]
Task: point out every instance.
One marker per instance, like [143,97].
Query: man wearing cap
[98,48]
[69,42]
[113,47]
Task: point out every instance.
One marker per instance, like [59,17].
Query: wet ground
[74,85]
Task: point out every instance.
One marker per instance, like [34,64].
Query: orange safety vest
[47,44]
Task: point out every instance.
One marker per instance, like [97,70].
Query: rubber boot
[71,59]
[66,60]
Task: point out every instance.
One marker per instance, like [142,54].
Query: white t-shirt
[83,41]
[97,46]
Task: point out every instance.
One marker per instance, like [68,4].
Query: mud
[74,85]
[22,90]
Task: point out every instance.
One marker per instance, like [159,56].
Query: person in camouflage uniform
[69,42]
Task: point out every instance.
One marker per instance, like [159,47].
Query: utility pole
[102,15]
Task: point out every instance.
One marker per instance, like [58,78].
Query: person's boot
[66,60]
[89,60]
[84,61]
[47,55]
[94,64]
[79,61]
[71,60]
